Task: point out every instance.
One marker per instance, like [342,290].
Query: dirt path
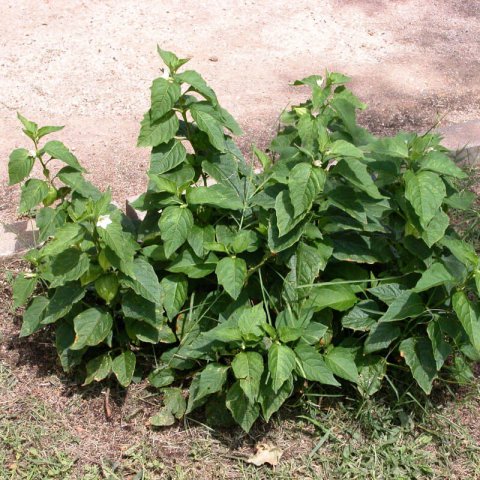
[89,64]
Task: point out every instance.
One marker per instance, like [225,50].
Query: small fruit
[51,197]
[103,260]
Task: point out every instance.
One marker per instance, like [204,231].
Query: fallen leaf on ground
[265,453]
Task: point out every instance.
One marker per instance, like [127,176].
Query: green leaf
[58,150]
[76,181]
[48,220]
[174,406]
[359,318]
[211,380]
[164,95]
[244,412]
[23,287]
[342,148]
[278,243]
[62,301]
[144,281]
[469,315]
[33,192]
[305,183]
[194,267]
[231,274]
[153,133]
[198,84]
[209,124]
[32,318]
[251,320]
[31,128]
[284,213]
[121,243]
[271,400]
[174,292]
[167,156]
[311,366]
[171,60]
[281,362]
[91,327]
[392,147]
[218,195]
[440,347]
[381,336]
[175,224]
[65,237]
[387,292]
[341,362]
[434,276]
[248,368]
[98,368]
[407,305]
[47,130]
[161,377]
[338,297]
[356,173]
[418,355]
[19,166]
[262,157]
[462,251]
[436,228]
[440,163]
[68,265]
[198,237]
[371,371]
[425,191]
[123,367]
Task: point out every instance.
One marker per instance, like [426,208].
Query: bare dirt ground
[89,64]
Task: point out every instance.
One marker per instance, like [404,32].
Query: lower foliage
[335,265]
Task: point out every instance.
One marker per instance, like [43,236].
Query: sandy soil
[89,64]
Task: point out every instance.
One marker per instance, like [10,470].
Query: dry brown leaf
[266,453]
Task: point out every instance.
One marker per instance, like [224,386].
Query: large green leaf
[91,327]
[33,192]
[243,411]
[19,166]
[356,173]
[123,366]
[175,224]
[199,236]
[439,162]
[32,318]
[310,365]
[425,191]
[68,265]
[271,400]
[408,305]
[23,287]
[198,84]
[153,133]
[305,183]
[58,150]
[469,315]
[98,368]
[65,237]
[371,371]
[167,156]
[231,274]
[338,297]
[174,292]
[218,195]
[341,362]
[361,316]
[418,355]
[174,406]
[121,242]
[434,276]
[381,336]
[164,94]
[211,380]
[62,301]
[440,347]
[281,362]
[194,267]
[436,228]
[248,369]
[206,121]
[144,280]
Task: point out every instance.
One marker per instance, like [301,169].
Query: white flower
[104,221]
[166,73]
[331,164]
[32,153]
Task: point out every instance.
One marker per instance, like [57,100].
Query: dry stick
[106,404]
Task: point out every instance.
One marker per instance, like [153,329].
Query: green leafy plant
[334,265]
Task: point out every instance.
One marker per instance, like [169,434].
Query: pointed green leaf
[19,166]
[440,347]
[341,362]
[209,124]
[218,195]
[408,305]
[439,162]
[62,301]
[305,183]
[434,276]
[244,412]
[174,292]
[98,368]
[166,157]
[23,287]
[381,336]
[175,224]
[33,192]
[123,367]
[211,380]
[164,94]
[198,84]
[32,318]
[469,315]
[91,327]
[271,400]
[248,368]
[281,362]
[418,355]
[58,150]
[311,366]
[153,133]
[231,274]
